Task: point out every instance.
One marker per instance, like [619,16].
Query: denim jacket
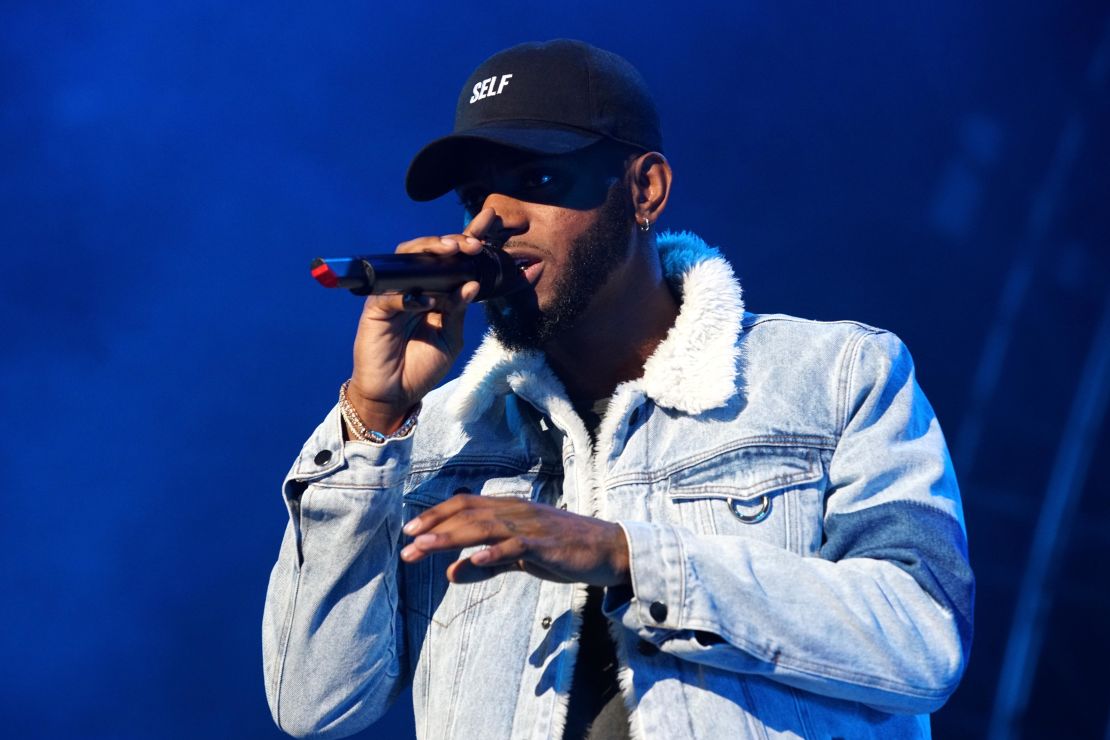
[797,548]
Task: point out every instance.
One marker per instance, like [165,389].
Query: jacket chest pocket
[765,492]
[428,593]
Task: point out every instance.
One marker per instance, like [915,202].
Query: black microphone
[496,272]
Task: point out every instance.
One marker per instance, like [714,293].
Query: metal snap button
[322,457]
[658,611]
[740,507]
[545,622]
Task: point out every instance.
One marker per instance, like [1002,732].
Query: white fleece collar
[692,370]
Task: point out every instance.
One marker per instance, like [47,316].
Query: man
[639,512]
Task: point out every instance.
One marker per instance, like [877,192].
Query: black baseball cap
[553,97]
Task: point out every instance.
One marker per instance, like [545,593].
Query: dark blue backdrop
[170,168]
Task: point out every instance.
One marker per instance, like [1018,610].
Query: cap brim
[446,163]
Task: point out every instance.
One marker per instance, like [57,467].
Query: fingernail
[480,557]
[424,540]
[473,241]
[407,552]
[412,527]
[447,242]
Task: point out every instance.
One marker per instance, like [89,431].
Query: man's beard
[517,320]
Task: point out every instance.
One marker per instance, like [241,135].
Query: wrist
[620,559]
[386,422]
[372,425]
[381,415]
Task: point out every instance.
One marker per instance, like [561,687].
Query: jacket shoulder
[782,322]
[802,338]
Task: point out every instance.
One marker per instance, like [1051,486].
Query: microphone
[496,272]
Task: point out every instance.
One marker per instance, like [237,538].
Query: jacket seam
[803,714]
[746,689]
[812,473]
[806,441]
[684,689]
[482,461]
[847,375]
[355,486]
[769,318]
[287,631]
[908,502]
[461,657]
[817,669]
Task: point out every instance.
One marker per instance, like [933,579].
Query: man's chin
[516,341]
[517,321]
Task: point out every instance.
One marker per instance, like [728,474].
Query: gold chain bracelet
[358,428]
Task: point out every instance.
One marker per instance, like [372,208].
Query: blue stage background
[169,169]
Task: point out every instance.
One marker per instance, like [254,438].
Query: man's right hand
[406,344]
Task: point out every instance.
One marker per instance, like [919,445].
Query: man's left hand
[521,535]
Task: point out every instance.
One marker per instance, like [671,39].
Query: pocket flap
[746,473]
[423,498]
[432,490]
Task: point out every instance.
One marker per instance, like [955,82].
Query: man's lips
[529,264]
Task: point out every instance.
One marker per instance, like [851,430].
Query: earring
[645,225]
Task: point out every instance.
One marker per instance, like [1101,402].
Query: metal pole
[1065,486]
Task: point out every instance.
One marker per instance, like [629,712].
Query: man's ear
[650,176]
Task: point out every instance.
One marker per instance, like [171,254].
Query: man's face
[568,221]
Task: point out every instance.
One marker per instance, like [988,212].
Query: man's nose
[511,216]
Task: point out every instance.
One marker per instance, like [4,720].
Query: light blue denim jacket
[798,557]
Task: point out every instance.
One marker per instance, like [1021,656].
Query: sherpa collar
[692,370]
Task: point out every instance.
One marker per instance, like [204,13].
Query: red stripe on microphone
[325,276]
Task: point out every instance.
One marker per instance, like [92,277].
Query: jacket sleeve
[882,615]
[332,633]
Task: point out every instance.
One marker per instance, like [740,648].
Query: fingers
[387,305]
[468,292]
[433,516]
[505,552]
[464,521]
[507,556]
[466,571]
[481,223]
[522,535]
[468,242]
[468,527]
